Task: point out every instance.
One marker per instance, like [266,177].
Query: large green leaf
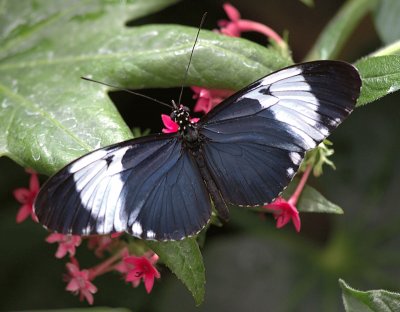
[369,301]
[339,29]
[184,259]
[380,76]
[49,116]
[387,20]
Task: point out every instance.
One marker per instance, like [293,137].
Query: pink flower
[79,282]
[142,269]
[66,243]
[235,26]
[207,99]
[136,269]
[26,197]
[284,212]
[170,125]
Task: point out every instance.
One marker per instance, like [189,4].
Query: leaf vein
[28,104]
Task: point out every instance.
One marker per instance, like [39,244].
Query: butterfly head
[186,126]
[181,116]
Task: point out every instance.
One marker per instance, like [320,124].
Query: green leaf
[49,116]
[369,301]
[339,29]
[387,20]
[184,259]
[311,200]
[380,76]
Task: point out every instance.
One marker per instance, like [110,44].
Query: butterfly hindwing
[149,187]
[256,139]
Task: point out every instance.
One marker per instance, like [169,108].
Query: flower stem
[246,25]
[295,196]
[105,266]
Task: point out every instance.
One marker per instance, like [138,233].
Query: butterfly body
[187,128]
[193,143]
[243,152]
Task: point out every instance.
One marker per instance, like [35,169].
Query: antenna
[129,91]
[191,55]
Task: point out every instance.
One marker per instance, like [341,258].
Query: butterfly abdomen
[218,201]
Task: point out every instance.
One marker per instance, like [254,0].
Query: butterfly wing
[149,187]
[256,139]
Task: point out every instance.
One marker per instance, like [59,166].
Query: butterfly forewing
[256,139]
[149,187]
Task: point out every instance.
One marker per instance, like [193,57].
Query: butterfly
[244,152]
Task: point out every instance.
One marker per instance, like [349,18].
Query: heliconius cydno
[243,152]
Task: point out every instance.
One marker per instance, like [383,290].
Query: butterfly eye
[173,115]
[186,109]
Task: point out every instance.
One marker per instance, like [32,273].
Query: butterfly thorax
[187,128]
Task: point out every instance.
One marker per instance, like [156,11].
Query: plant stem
[105,266]
[295,196]
[393,48]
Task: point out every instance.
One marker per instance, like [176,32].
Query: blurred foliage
[387,20]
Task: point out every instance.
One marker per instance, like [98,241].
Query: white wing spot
[150,234]
[324,131]
[137,229]
[290,171]
[295,158]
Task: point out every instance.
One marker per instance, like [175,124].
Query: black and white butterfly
[243,152]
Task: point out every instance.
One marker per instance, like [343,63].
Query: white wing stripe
[280,75]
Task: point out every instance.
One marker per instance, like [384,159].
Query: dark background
[249,265]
